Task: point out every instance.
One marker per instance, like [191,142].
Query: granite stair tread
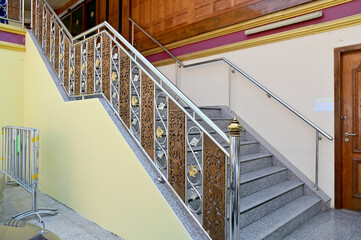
[253,156]
[269,224]
[260,173]
[265,195]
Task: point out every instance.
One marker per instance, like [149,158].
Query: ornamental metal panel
[147,116]
[214,189]
[106,65]
[90,67]
[176,149]
[124,89]
[77,67]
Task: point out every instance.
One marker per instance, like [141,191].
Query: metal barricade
[20,162]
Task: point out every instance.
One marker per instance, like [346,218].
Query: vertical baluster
[194,177]
[98,64]
[106,65]
[77,69]
[52,42]
[90,67]
[214,189]
[56,48]
[84,60]
[147,116]
[135,103]
[161,131]
[176,148]
[114,83]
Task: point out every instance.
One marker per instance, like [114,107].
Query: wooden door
[348,103]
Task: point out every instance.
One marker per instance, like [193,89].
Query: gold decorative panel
[90,67]
[56,51]
[66,64]
[147,115]
[106,65]
[214,189]
[77,66]
[124,88]
[176,149]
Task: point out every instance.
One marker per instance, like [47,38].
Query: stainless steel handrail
[269,93]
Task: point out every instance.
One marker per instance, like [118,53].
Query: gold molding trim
[278,37]
[12,29]
[12,46]
[270,18]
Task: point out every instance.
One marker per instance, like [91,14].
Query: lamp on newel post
[235,129]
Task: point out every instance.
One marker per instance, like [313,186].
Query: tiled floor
[68,225]
[330,225]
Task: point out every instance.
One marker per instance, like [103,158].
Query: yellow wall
[11,87]
[86,164]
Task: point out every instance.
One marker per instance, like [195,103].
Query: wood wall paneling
[173,20]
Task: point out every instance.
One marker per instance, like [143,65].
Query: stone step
[260,179]
[262,203]
[284,220]
[254,161]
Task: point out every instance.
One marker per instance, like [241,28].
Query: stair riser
[295,223]
[262,183]
[255,164]
[262,210]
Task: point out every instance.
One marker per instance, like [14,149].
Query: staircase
[273,203]
[188,146]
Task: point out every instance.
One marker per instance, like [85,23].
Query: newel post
[235,179]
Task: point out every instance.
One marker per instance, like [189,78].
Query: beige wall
[86,164]
[298,71]
[11,87]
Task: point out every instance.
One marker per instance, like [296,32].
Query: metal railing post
[317,157]
[132,34]
[22,13]
[235,179]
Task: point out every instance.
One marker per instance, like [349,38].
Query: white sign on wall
[324,104]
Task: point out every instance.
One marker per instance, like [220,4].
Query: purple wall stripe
[12,38]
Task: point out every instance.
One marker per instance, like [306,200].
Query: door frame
[337,115]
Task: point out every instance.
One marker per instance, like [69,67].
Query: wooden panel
[40,21]
[147,115]
[90,67]
[56,51]
[356,110]
[124,89]
[66,63]
[356,178]
[350,89]
[48,34]
[77,66]
[214,189]
[176,149]
[106,65]
[184,19]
